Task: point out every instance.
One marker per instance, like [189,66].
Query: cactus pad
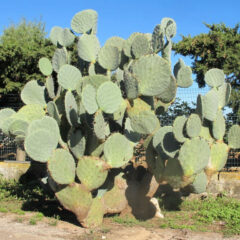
[45,66]
[219,156]
[88,47]
[214,77]
[109,97]
[101,128]
[224,93]
[61,167]
[145,122]
[108,57]
[153,74]
[210,105]
[183,74]
[71,109]
[117,150]
[199,184]
[65,37]
[233,137]
[76,199]
[37,147]
[194,156]
[92,171]
[33,93]
[178,128]
[89,99]
[219,126]
[95,214]
[69,77]
[140,46]
[76,142]
[193,125]
[4,114]
[30,112]
[59,59]
[84,21]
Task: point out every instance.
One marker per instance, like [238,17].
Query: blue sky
[121,18]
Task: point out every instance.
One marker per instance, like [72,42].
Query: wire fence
[186,99]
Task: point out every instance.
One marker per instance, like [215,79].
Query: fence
[186,99]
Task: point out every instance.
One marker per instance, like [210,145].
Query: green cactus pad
[89,99]
[146,122]
[33,93]
[234,137]
[65,37]
[46,123]
[158,38]
[128,44]
[54,34]
[5,114]
[88,47]
[50,87]
[40,144]
[59,59]
[76,142]
[95,80]
[95,214]
[92,171]
[214,77]
[117,150]
[30,112]
[224,93]
[115,200]
[170,27]
[119,114]
[53,111]
[108,57]
[153,74]
[61,167]
[84,21]
[219,126]
[45,66]
[77,199]
[193,125]
[199,184]
[18,127]
[69,77]
[205,134]
[164,141]
[140,46]
[71,108]
[131,85]
[101,128]
[219,156]
[183,74]
[109,97]
[210,105]
[178,128]
[115,42]
[194,156]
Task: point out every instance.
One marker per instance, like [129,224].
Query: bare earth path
[10,229]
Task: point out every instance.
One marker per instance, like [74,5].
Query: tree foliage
[21,46]
[219,48]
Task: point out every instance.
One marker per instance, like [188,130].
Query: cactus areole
[89,120]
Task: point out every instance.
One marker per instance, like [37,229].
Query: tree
[21,46]
[219,48]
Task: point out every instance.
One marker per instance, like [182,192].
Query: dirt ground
[11,229]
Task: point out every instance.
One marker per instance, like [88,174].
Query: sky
[123,17]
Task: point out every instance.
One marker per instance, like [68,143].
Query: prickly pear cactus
[87,122]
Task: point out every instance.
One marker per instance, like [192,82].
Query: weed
[3,210]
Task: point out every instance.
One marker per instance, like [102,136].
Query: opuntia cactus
[86,125]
